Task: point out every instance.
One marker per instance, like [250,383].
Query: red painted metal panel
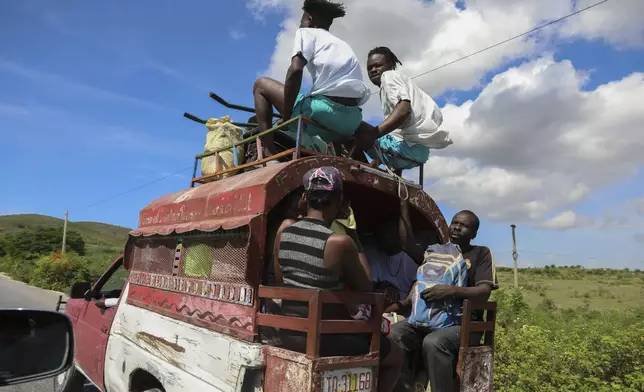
[242,194]
[92,331]
[206,225]
[290,371]
[239,294]
[231,319]
[220,203]
[229,204]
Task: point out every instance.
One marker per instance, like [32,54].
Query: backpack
[443,264]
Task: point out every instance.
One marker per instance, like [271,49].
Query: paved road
[19,295]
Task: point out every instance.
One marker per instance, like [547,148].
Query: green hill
[99,237]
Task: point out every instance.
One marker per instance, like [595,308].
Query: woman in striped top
[308,254]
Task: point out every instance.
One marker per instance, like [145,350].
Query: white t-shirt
[426,117]
[332,64]
[399,269]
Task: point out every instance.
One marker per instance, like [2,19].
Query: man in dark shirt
[440,347]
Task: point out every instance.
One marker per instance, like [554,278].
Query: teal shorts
[394,152]
[344,120]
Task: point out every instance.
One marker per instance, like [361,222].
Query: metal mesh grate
[154,255]
[220,256]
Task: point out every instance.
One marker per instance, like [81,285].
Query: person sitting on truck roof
[337,92]
[440,347]
[412,118]
[311,256]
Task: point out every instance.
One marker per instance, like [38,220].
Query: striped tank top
[301,256]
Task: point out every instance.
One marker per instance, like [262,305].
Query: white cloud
[637,205]
[426,34]
[533,143]
[612,220]
[619,23]
[567,220]
[627,215]
[236,34]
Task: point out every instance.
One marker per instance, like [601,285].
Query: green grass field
[569,288]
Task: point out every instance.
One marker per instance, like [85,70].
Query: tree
[3,246]
[30,244]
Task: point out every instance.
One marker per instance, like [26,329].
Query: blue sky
[92,96]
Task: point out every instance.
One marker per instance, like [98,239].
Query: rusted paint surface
[293,371]
[258,191]
[159,347]
[156,341]
[477,369]
[287,371]
[230,197]
[227,318]
[182,356]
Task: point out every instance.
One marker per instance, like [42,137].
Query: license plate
[348,380]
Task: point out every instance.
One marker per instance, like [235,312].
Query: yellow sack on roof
[221,133]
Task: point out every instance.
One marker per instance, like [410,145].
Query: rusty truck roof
[236,200]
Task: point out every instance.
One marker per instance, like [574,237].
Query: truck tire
[70,381]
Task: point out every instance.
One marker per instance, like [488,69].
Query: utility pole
[65,231]
[515,256]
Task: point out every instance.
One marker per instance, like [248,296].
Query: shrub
[5,264]
[570,350]
[548,304]
[59,271]
[22,270]
[511,304]
[32,243]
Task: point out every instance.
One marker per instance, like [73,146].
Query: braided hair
[389,55]
[323,11]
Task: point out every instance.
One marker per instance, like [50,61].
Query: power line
[138,187]
[507,40]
